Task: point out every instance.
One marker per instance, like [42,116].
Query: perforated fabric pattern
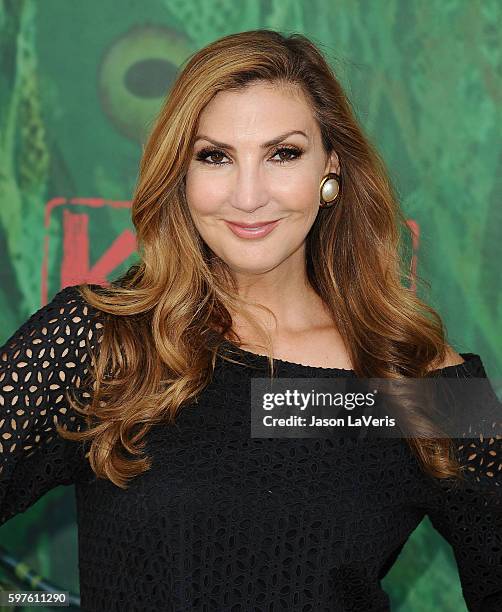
[469,515]
[44,358]
[226,522]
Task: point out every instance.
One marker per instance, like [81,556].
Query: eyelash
[203,154]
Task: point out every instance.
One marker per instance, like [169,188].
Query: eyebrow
[265,145]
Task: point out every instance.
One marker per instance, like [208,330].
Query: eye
[205,154]
[289,151]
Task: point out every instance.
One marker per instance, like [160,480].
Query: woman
[264,220]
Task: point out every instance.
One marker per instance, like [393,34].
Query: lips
[252,225]
[259,229]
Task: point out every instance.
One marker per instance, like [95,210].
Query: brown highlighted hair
[165,319]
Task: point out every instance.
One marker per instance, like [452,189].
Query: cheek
[296,191]
[203,194]
[299,190]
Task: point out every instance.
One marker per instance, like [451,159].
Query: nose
[249,191]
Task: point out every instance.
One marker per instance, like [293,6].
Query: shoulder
[69,313]
[74,316]
[479,449]
[61,329]
[452,358]
[70,300]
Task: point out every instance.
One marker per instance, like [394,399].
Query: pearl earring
[330,187]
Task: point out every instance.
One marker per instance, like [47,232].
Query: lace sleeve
[469,515]
[44,358]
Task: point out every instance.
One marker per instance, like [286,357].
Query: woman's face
[237,176]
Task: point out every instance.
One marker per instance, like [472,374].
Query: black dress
[226,522]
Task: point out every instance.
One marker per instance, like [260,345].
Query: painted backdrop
[80,83]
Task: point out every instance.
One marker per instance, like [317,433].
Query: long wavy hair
[165,319]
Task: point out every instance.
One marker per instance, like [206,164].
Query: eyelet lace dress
[226,522]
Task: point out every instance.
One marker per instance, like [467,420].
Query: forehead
[258,108]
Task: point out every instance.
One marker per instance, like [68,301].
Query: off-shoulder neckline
[472,363]
[471,366]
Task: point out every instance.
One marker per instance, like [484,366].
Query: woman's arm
[44,358]
[471,521]
[469,514]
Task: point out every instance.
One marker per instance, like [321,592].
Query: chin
[252,264]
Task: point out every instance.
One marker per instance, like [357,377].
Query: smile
[256,231]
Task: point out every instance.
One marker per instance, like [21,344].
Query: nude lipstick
[252,230]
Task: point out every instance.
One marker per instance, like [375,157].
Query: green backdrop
[80,83]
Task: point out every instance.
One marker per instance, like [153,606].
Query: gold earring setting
[329,188]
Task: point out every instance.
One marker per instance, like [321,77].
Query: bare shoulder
[451,358]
